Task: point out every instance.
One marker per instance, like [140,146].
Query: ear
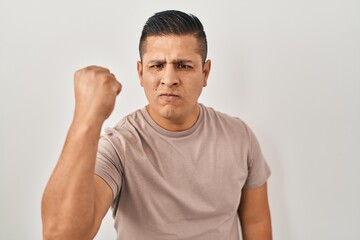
[140,72]
[206,71]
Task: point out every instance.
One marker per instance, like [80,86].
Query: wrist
[86,126]
[88,119]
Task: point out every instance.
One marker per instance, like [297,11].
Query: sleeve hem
[258,183]
[108,181]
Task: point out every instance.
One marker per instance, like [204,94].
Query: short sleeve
[108,165]
[258,169]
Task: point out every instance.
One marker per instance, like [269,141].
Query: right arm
[75,200]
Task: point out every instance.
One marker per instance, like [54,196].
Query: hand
[96,89]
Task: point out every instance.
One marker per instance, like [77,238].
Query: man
[175,169]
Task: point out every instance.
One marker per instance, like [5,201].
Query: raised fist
[96,89]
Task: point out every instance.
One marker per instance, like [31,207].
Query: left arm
[254,214]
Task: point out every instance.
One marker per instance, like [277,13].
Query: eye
[183,66]
[157,66]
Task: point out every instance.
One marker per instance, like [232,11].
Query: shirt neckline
[168,133]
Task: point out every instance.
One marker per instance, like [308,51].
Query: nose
[169,78]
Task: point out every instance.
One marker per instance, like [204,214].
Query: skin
[173,75]
[73,187]
[254,214]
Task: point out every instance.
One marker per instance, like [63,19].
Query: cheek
[150,86]
[196,87]
[151,80]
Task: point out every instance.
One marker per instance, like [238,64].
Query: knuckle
[94,75]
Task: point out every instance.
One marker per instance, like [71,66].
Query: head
[173,22]
[173,68]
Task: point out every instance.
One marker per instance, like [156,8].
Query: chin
[169,112]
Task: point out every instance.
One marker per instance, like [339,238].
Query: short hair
[173,22]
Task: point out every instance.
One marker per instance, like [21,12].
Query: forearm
[69,200]
[254,214]
[257,231]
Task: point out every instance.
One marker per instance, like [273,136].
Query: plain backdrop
[289,69]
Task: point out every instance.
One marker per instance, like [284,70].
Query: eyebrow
[175,61]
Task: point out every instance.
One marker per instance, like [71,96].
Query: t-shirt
[179,185]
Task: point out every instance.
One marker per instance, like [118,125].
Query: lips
[168,95]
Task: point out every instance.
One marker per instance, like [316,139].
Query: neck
[176,123]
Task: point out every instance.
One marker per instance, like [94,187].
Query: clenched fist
[96,89]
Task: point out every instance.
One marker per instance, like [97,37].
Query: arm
[75,200]
[254,214]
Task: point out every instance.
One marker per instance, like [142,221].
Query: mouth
[169,96]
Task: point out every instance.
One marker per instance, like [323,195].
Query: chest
[190,177]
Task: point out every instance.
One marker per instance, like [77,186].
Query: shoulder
[127,128]
[229,124]
[220,118]
[131,120]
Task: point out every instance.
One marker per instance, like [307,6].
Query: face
[173,75]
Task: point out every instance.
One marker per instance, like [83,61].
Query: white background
[290,69]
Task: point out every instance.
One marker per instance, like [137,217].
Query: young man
[175,169]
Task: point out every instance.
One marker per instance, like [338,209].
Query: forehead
[165,46]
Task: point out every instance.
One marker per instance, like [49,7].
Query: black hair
[173,22]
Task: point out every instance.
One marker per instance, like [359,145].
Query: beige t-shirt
[179,185]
